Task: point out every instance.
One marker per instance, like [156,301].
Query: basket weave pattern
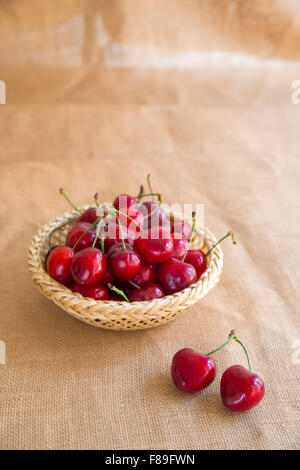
[115,315]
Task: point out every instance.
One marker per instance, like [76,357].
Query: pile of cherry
[128,251]
[240,388]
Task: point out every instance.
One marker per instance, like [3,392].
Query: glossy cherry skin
[241,389]
[181,227]
[88,266]
[108,277]
[118,247]
[151,291]
[125,264]
[135,215]
[153,214]
[174,275]
[59,264]
[147,273]
[197,259]
[97,292]
[90,215]
[180,245]
[76,232]
[113,236]
[123,201]
[155,245]
[192,371]
[123,286]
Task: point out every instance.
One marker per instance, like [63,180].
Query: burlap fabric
[199,93]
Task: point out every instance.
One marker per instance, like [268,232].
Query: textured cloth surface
[198,94]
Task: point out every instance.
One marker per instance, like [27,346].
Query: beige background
[198,93]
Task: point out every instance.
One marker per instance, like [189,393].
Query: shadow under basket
[113,315]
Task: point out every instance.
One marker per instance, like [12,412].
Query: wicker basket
[113,315]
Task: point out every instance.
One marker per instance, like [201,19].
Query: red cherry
[197,259]
[180,245]
[125,264]
[113,236]
[155,245]
[151,291]
[123,201]
[97,292]
[118,247]
[192,371]
[146,274]
[153,214]
[59,264]
[181,227]
[241,389]
[175,275]
[76,232]
[90,215]
[88,266]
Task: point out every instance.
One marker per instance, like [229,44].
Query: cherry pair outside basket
[115,315]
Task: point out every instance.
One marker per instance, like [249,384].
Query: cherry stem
[229,234]
[149,184]
[128,217]
[156,208]
[233,336]
[118,291]
[69,200]
[93,225]
[98,226]
[134,284]
[191,237]
[245,350]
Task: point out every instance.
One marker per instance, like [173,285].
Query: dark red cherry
[90,215]
[151,291]
[117,298]
[123,286]
[135,215]
[192,371]
[155,245]
[241,389]
[118,247]
[153,214]
[113,236]
[88,266]
[174,275]
[146,274]
[123,201]
[180,245]
[59,264]
[108,277]
[97,292]
[76,232]
[125,264]
[181,227]
[197,259]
